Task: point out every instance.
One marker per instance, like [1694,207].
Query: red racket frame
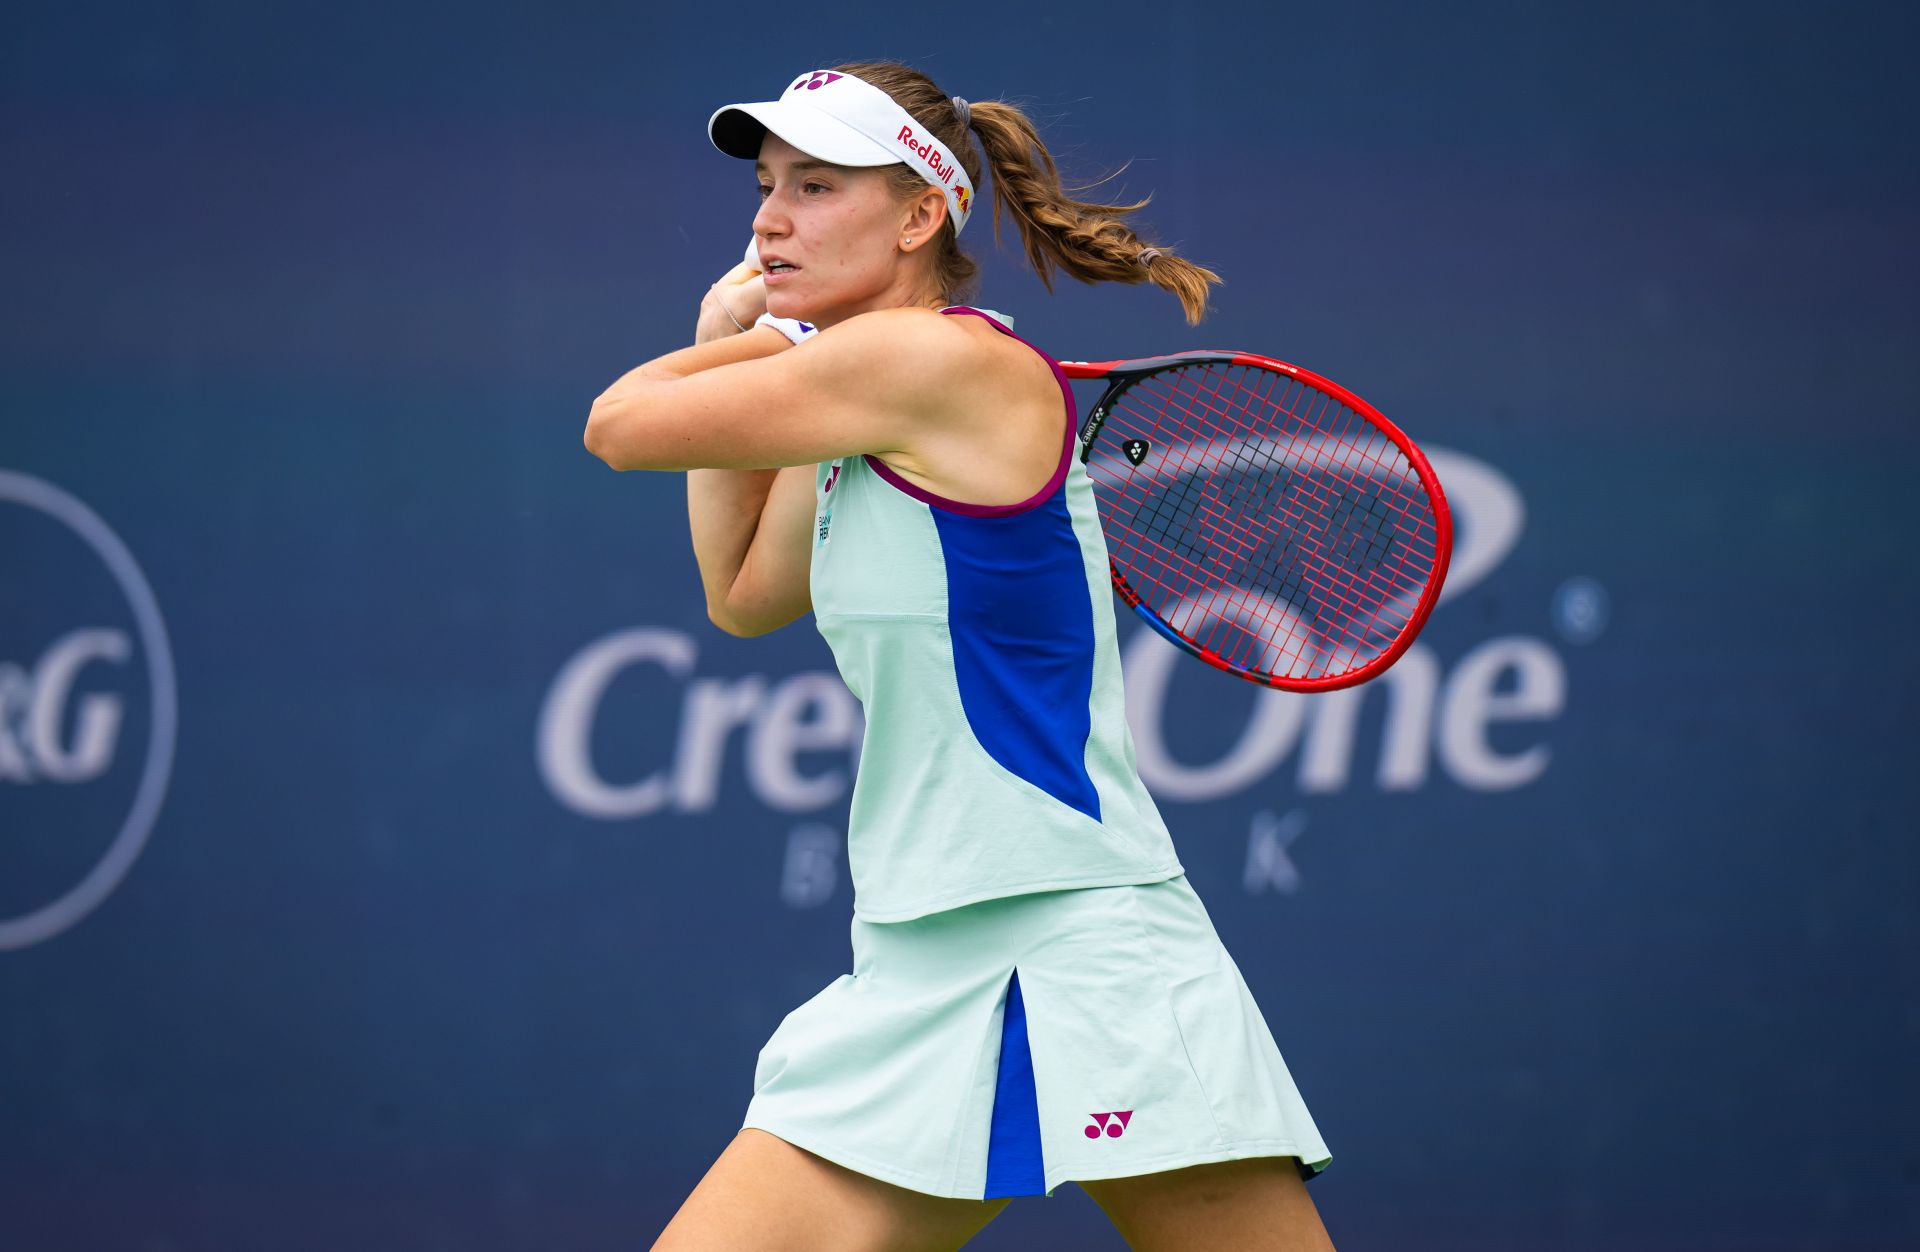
[1119,375]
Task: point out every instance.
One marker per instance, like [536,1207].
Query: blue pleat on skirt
[1014,1166]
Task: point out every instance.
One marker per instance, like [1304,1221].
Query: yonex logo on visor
[845,120]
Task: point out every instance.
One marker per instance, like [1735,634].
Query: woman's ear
[928,215]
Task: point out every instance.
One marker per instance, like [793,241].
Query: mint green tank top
[980,641]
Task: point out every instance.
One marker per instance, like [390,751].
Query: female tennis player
[1037,994]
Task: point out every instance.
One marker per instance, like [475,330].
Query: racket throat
[1090,429]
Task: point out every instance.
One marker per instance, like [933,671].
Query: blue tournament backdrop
[393,856]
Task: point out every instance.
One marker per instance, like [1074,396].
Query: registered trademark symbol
[1580,609]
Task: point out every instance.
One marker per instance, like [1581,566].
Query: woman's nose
[771,221]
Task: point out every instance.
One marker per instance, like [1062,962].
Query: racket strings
[1268,522]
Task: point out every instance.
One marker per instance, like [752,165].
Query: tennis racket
[1262,518]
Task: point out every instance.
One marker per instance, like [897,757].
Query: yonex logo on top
[815,81]
[1115,1124]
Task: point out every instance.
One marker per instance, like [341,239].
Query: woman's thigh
[768,1195]
[1258,1205]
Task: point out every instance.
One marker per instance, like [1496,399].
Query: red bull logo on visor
[931,152]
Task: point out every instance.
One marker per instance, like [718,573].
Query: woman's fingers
[738,274]
[731,304]
[746,299]
[735,299]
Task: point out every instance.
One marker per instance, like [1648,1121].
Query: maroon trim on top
[995,510]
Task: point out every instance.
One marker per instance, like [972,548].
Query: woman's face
[830,237]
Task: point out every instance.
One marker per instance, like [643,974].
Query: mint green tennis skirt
[1006,1047]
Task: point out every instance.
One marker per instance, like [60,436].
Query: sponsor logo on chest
[823,515]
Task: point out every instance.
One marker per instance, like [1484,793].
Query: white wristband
[792,328]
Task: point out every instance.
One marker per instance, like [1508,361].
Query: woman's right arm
[883,381]
[750,527]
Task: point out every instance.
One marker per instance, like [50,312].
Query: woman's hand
[731,303]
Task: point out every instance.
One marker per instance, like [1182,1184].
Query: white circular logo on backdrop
[34,707]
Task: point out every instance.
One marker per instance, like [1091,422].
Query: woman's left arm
[760,341]
[866,385]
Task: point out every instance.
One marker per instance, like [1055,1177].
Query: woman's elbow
[730,625]
[601,436]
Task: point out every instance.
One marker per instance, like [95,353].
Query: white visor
[844,120]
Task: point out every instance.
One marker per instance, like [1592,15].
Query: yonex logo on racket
[815,81]
[1113,1124]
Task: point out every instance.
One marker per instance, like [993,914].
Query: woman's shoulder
[992,403]
[936,350]
[915,323]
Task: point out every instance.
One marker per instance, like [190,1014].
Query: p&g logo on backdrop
[82,643]
[1435,715]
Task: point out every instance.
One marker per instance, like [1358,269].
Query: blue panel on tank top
[1014,1164]
[1021,621]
